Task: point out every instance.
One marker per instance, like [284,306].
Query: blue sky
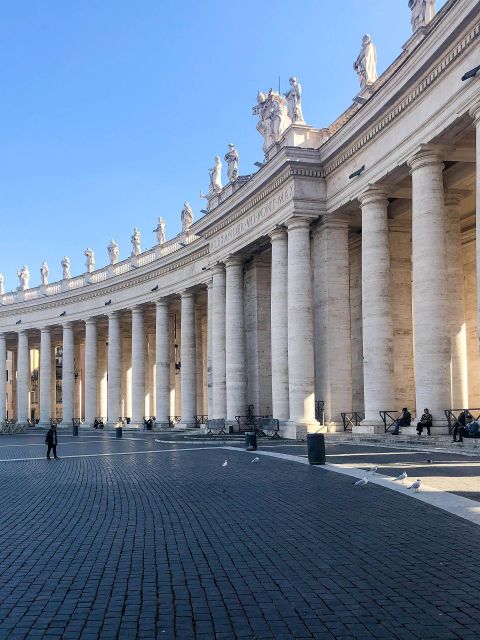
[112,111]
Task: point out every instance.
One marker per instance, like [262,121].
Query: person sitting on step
[404,420]
[424,422]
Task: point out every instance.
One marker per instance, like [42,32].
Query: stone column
[378,380]
[23,378]
[126,375]
[235,340]
[187,371]
[3,378]
[114,369]
[45,377]
[78,391]
[102,375]
[300,331]
[199,358]
[218,342]
[150,374]
[68,375]
[279,324]
[209,348]
[456,302]
[475,114]
[430,287]
[333,354]
[162,349]
[90,371]
[138,366]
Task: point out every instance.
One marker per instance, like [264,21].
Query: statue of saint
[273,117]
[113,252]
[216,176]
[423,12]
[44,271]
[90,261]
[135,240]
[66,268]
[366,63]
[2,284]
[232,163]
[24,278]
[294,101]
[187,218]
[160,231]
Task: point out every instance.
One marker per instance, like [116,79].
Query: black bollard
[118,432]
[251,441]
[75,429]
[316,448]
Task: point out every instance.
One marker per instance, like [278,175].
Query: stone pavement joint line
[456,505]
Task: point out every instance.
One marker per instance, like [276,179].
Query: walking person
[51,440]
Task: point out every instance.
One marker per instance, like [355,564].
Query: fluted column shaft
[114,368]
[300,330]
[45,376]
[456,301]
[279,324]
[218,342]
[162,353]
[430,290]
[378,378]
[23,378]
[235,340]
[68,374]
[90,371]
[3,378]
[188,374]
[138,366]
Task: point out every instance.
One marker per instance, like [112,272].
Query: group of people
[405,420]
[465,427]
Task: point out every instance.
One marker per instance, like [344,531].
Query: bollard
[118,432]
[251,441]
[316,448]
[75,429]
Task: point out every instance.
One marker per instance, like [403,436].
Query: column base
[293,430]
[367,426]
[44,425]
[162,425]
[182,426]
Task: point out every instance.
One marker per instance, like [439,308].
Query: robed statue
[113,251]
[24,278]
[423,12]
[366,63]
[44,271]
[231,159]
[216,176]
[294,101]
[187,218]
[160,231]
[135,240]
[90,261]
[66,268]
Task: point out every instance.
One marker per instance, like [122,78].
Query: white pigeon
[416,485]
[157,440]
[225,463]
[373,469]
[361,483]
[403,476]
[255,460]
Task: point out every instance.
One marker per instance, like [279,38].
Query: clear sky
[112,111]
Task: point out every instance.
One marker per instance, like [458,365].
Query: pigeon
[255,460]
[403,476]
[361,483]
[429,461]
[416,485]
[373,469]
[225,463]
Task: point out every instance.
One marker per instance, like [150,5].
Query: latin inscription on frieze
[252,219]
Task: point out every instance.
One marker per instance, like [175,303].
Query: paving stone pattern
[173,545]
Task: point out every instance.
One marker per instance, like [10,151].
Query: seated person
[461,428]
[424,422]
[404,420]
[473,429]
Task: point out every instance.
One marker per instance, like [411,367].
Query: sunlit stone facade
[344,270]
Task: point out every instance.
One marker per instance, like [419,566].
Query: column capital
[234,261]
[425,157]
[210,284]
[374,193]
[187,295]
[91,321]
[218,268]
[475,113]
[333,222]
[162,302]
[45,330]
[300,222]
[279,233]
[137,310]
[113,314]
[68,324]
[453,197]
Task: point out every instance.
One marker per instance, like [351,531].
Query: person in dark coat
[424,422]
[51,440]
[404,421]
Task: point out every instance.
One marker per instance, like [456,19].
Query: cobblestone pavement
[455,473]
[141,539]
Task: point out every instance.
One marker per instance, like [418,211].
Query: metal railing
[199,420]
[352,419]
[454,416]
[173,420]
[389,419]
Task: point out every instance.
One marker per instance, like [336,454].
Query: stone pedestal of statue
[304,136]
[364,94]
[415,39]
[65,285]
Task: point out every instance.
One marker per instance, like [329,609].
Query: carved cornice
[408,101]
